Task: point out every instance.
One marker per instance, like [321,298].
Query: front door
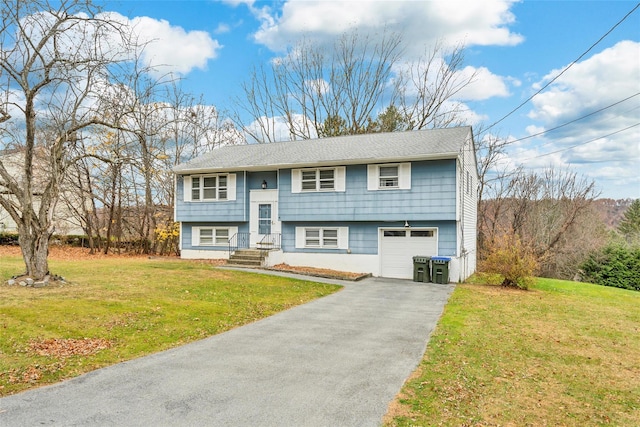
[264,219]
[263,213]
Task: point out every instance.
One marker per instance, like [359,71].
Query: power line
[567,68]
[574,120]
[582,143]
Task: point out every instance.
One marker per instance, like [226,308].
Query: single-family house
[362,203]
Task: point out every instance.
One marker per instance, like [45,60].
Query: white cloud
[422,22]
[591,145]
[533,130]
[485,85]
[603,79]
[600,81]
[482,86]
[278,128]
[464,113]
[173,47]
[318,86]
[222,28]
[168,48]
[236,3]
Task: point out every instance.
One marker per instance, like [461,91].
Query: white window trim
[404,177]
[195,235]
[343,238]
[339,180]
[231,187]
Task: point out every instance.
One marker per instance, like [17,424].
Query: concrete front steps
[246,258]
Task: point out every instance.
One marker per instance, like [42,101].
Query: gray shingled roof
[379,147]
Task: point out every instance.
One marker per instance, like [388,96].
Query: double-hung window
[312,237]
[207,188]
[388,177]
[321,237]
[222,236]
[222,187]
[205,237]
[330,237]
[318,179]
[309,180]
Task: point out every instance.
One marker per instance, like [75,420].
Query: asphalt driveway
[337,361]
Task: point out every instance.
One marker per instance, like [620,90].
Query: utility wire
[567,68]
[574,120]
[582,143]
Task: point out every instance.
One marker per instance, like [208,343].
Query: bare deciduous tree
[311,87]
[313,92]
[427,88]
[54,55]
[548,212]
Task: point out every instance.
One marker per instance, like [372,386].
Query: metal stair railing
[270,241]
[239,241]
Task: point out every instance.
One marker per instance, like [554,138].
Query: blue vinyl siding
[187,235]
[232,210]
[255,179]
[363,236]
[432,197]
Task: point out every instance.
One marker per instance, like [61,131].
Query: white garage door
[399,246]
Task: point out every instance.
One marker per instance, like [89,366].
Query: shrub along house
[363,203]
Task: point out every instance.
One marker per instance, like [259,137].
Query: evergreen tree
[629,227]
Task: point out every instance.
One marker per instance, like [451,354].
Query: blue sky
[517,45]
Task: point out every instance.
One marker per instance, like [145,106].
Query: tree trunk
[35,248]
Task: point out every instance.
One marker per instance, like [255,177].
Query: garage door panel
[399,246]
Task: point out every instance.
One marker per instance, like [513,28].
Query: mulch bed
[320,272]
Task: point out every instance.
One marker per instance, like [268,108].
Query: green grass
[140,306]
[563,353]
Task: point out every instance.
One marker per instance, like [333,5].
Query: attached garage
[398,246]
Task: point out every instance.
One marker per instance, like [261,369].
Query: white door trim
[256,198]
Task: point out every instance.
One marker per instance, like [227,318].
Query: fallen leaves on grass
[30,374]
[67,347]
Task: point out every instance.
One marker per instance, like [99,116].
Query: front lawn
[117,308]
[561,354]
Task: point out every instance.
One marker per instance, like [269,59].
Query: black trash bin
[421,268]
[440,265]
